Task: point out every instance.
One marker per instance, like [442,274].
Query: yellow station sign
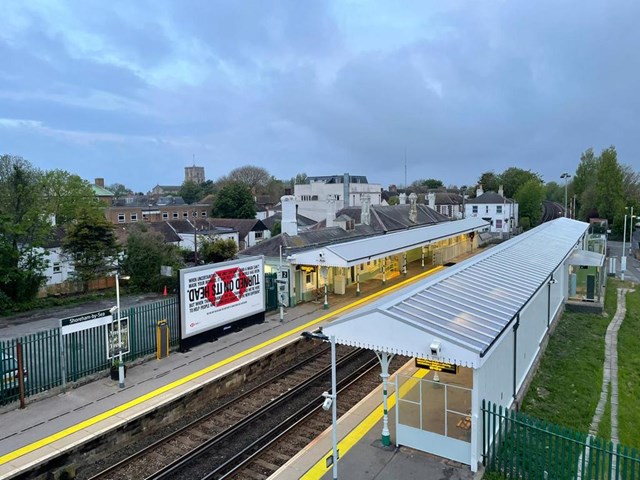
[436,366]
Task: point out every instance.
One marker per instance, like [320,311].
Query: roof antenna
[194,159]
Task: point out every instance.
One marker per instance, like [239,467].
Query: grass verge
[566,387]
[629,373]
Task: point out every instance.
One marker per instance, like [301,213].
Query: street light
[331,398]
[120,362]
[566,176]
[631,231]
[623,257]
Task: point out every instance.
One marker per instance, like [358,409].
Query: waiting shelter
[479,324]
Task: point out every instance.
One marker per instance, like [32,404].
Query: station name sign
[85,321]
[436,366]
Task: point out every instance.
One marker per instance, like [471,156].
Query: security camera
[435,349]
[328,401]
[113,310]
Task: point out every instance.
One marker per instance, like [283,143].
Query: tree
[277,229]
[144,253]
[583,184]
[554,192]
[393,200]
[299,179]
[251,176]
[234,201]
[67,194]
[513,178]
[429,183]
[91,242]
[609,185]
[530,197]
[218,250]
[489,181]
[190,192]
[118,190]
[23,229]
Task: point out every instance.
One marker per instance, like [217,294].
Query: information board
[436,366]
[220,293]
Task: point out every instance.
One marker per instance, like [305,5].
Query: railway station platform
[57,423]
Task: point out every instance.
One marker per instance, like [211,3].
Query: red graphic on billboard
[226,286]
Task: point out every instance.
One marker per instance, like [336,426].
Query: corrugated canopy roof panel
[470,304]
[586,258]
[358,251]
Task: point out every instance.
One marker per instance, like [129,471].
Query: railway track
[551,211]
[155,458]
[284,442]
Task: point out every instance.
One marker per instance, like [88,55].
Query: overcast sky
[132,90]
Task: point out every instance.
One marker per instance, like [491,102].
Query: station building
[482,322]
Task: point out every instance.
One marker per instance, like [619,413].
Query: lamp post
[631,232]
[333,397]
[566,176]
[280,294]
[623,257]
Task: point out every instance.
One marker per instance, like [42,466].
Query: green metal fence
[85,351]
[516,445]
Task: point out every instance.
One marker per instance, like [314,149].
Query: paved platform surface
[98,406]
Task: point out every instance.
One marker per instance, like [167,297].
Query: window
[499,209]
[175,214]
[499,223]
[308,278]
[145,216]
[486,209]
[203,213]
[194,214]
[56,267]
[121,218]
[165,215]
[314,198]
[259,235]
[185,214]
[474,209]
[134,217]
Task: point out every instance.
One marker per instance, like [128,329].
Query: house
[347,190]
[166,190]
[199,230]
[104,195]
[251,231]
[59,266]
[495,208]
[145,208]
[449,204]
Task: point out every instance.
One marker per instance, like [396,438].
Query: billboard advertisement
[220,293]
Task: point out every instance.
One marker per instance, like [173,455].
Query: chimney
[365,215]
[431,198]
[100,182]
[331,210]
[289,222]
[413,209]
[479,190]
[501,191]
[346,180]
[402,198]
[287,191]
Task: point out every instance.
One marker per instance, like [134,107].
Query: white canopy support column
[385,360]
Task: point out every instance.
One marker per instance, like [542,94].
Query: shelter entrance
[435,416]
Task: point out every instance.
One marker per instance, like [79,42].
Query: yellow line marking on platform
[354,436]
[159,391]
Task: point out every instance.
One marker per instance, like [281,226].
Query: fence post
[20,373]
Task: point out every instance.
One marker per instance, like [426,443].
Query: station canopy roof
[586,258]
[359,251]
[466,307]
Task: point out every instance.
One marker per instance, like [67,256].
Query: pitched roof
[490,197]
[307,239]
[101,191]
[122,231]
[242,225]
[303,221]
[387,218]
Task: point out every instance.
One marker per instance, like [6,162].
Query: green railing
[519,446]
[85,351]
